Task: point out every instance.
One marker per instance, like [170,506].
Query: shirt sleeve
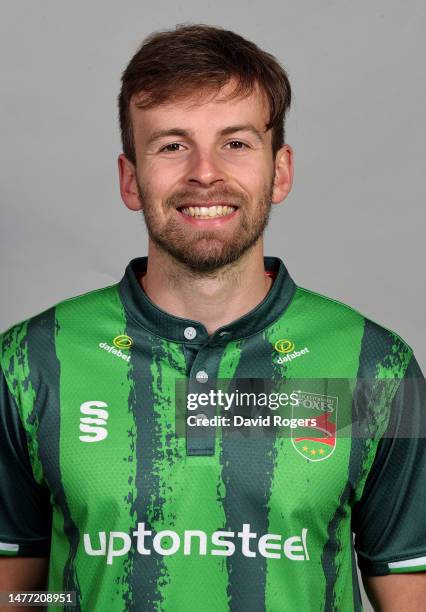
[389,521]
[25,510]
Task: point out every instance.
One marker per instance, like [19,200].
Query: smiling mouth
[209,211]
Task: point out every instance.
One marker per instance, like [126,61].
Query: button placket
[200,440]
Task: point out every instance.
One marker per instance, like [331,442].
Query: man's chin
[205,264]
[202,260]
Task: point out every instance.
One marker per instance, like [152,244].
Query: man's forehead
[254,100]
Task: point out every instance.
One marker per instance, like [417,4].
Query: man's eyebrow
[164,133]
[232,129]
[243,128]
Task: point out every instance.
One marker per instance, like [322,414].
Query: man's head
[188,97]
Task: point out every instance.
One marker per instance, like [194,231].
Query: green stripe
[8,553]
[403,570]
[185,504]
[312,490]
[98,492]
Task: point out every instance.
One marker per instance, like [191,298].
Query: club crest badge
[315,443]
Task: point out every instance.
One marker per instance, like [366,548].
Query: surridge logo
[195,542]
[95,424]
[287,348]
[122,343]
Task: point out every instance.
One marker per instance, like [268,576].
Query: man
[103,492]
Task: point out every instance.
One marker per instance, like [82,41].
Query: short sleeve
[389,521]
[25,510]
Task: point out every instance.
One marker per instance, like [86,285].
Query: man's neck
[214,300]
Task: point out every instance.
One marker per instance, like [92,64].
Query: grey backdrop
[353,226]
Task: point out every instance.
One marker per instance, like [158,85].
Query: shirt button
[202,376]
[190,333]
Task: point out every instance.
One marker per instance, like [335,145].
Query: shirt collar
[163,324]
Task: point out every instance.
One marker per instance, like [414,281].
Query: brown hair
[174,63]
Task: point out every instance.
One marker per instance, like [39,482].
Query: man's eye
[171,147]
[238,144]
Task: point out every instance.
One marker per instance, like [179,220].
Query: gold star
[321,451]
[313,452]
[305,448]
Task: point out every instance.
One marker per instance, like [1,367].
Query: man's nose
[206,168]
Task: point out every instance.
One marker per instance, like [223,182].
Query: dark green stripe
[146,569]
[248,464]
[379,353]
[41,350]
[148,503]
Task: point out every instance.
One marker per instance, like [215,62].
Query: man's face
[204,175]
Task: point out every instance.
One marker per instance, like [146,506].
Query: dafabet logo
[122,342]
[287,349]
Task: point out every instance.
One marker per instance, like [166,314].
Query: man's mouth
[207,211]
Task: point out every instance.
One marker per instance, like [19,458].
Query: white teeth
[208,212]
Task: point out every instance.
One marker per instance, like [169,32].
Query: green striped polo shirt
[140,510]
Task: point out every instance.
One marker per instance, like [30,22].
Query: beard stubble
[205,251]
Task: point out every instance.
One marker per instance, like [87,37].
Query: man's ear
[128,186]
[283,174]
